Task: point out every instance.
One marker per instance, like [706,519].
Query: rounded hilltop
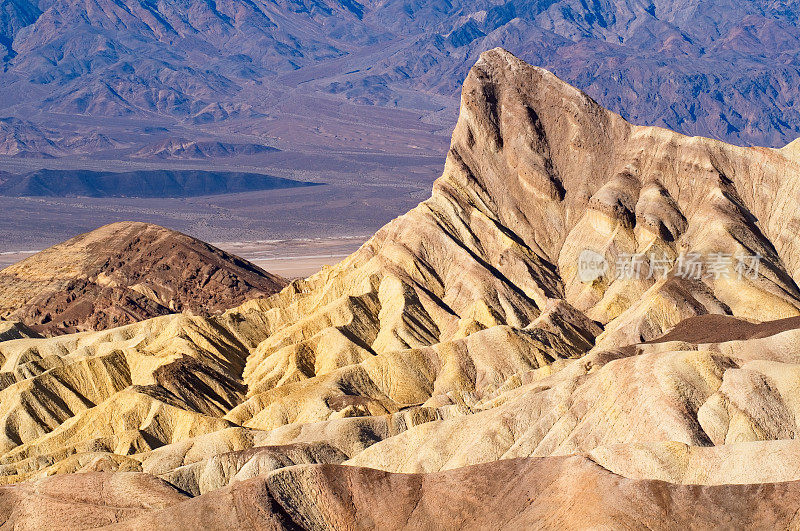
[125,272]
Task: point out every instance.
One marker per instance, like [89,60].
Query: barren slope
[722,69]
[126,272]
[461,334]
[563,493]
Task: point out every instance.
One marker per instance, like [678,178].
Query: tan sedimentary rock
[464,333]
[83,501]
[555,492]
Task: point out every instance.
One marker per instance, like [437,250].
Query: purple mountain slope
[714,68]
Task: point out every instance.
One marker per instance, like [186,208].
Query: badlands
[123,273]
[460,370]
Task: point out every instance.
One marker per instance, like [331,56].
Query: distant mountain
[138,183]
[123,273]
[192,149]
[22,138]
[15,15]
[712,68]
[715,68]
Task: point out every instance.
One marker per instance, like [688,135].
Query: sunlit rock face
[464,344]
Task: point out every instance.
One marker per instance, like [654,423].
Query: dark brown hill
[123,273]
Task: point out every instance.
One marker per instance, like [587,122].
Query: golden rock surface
[463,347]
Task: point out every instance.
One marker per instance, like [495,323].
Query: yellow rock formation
[465,333]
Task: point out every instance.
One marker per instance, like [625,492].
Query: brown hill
[466,333]
[555,492]
[123,273]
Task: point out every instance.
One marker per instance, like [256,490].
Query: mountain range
[719,69]
[491,358]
